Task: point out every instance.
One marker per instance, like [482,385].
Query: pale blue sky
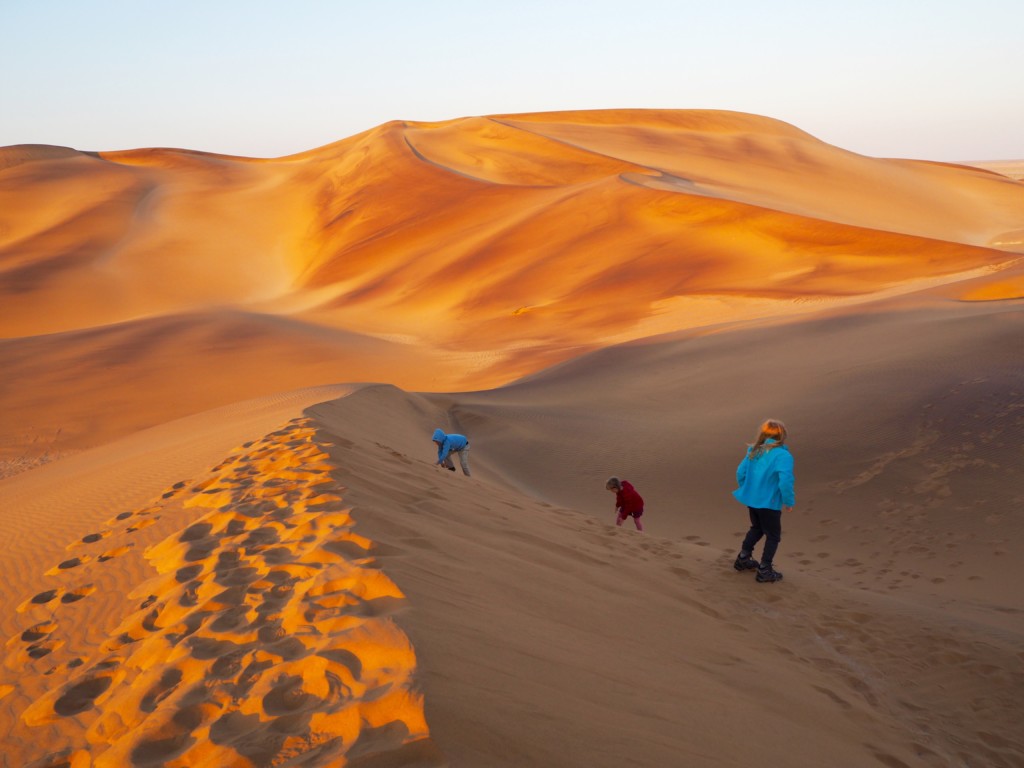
[933,79]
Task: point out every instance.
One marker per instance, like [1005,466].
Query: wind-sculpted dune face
[265,636]
[463,254]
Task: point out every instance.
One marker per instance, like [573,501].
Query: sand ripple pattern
[264,640]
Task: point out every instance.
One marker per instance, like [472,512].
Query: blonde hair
[771,429]
[613,484]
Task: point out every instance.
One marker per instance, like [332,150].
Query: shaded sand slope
[907,419]
[94,385]
[546,636]
[493,246]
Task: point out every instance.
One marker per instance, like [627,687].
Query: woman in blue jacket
[765,479]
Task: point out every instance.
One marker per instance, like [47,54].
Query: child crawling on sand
[449,444]
[627,501]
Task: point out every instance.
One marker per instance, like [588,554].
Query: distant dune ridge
[464,253]
[217,554]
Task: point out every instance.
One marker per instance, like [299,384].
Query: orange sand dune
[117,379]
[475,250]
[1013,169]
[322,594]
[768,163]
[223,546]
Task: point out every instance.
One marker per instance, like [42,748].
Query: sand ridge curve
[265,639]
[444,256]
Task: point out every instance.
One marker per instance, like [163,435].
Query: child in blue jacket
[765,479]
[449,444]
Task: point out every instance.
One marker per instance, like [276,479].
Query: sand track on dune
[266,637]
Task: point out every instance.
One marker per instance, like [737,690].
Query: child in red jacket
[627,501]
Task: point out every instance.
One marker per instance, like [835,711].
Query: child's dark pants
[767,523]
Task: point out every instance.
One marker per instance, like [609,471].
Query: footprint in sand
[90,538]
[142,524]
[833,696]
[169,681]
[38,631]
[401,457]
[41,649]
[110,554]
[67,668]
[80,696]
[67,565]
[74,595]
[48,596]
[41,598]
[33,643]
[174,490]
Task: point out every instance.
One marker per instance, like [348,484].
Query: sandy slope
[455,255]
[541,634]
[536,632]
[221,559]
[549,637]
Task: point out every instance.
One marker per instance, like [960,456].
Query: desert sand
[225,542]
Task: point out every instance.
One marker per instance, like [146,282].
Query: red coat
[628,501]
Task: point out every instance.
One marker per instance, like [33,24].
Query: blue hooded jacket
[766,481]
[448,443]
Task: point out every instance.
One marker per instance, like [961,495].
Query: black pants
[767,523]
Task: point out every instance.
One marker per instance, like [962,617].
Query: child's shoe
[744,562]
[765,573]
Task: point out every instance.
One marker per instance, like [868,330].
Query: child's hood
[771,443]
[439,435]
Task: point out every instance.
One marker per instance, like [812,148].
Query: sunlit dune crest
[265,637]
[997,291]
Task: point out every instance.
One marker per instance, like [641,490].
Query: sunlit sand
[225,542]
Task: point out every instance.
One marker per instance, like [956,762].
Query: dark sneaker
[745,562]
[767,574]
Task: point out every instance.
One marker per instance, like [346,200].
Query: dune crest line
[265,639]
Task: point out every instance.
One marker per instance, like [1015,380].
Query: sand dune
[265,635]
[547,636]
[496,246]
[216,555]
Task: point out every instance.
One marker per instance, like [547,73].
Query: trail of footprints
[36,642]
[265,638]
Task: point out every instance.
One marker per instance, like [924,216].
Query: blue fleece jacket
[766,482]
[448,443]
